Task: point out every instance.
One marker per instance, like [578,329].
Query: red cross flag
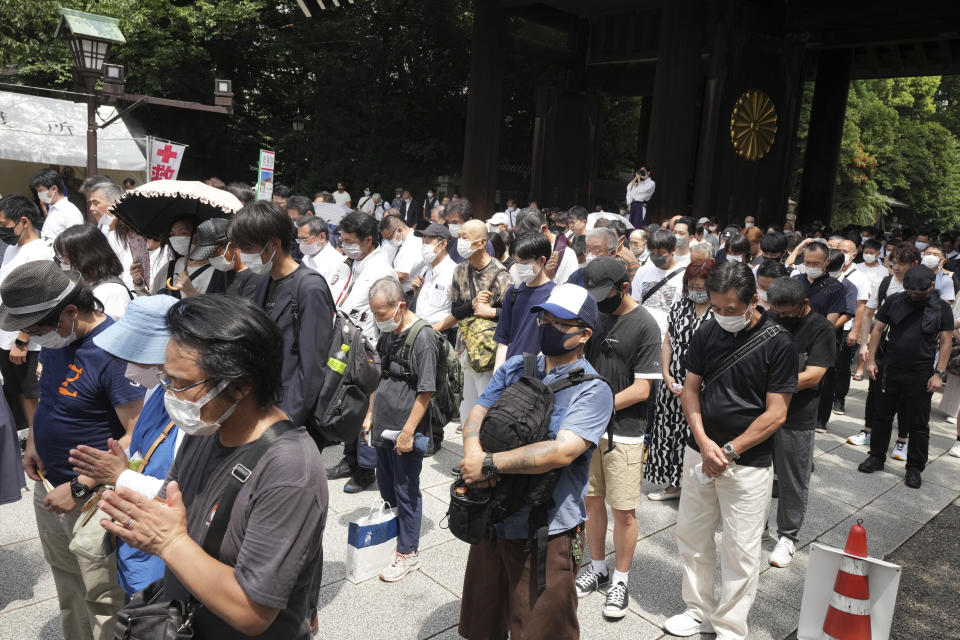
[165,160]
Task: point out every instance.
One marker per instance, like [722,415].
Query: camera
[642,173]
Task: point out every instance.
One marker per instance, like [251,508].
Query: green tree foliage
[900,142]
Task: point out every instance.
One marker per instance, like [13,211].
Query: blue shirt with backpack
[585,411]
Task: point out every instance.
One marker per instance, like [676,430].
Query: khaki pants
[88,591]
[740,500]
[474,384]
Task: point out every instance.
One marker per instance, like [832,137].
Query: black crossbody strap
[746,349]
[657,286]
[530,365]
[239,474]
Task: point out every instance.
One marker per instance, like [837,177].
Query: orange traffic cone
[848,617]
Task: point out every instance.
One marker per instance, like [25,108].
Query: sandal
[858,377]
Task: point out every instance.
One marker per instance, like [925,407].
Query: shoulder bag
[657,286]
[477,334]
[745,349]
[148,615]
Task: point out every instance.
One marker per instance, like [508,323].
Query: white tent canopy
[42,131]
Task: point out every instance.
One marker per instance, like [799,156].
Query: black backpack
[520,416]
[341,405]
[445,403]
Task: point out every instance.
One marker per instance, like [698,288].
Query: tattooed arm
[540,457]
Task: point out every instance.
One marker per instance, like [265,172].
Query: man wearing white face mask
[741,373]
[827,296]
[61,213]
[319,254]
[432,286]
[933,259]
[262,228]
[683,229]
[86,399]
[408,257]
[517,331]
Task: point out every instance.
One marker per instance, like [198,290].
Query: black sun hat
[31,291]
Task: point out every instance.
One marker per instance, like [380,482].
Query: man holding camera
[639,192]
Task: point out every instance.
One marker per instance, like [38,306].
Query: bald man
[476,291]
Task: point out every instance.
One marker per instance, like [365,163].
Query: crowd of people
[698,357]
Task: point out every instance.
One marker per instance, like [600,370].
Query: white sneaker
[782,555]
[660,496]
[955,449]
[951,419]
[860,439]
[686,624]
[899,451]
[401,566]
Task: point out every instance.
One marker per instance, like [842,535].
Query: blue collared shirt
[584,410]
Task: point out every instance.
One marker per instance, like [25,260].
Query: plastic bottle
[339,362]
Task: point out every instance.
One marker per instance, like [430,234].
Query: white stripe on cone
[854,567]
[850,605]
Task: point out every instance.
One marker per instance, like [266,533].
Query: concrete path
[426,603]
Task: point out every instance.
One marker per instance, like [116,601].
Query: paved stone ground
[426,603]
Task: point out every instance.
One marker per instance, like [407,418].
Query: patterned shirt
[493,278]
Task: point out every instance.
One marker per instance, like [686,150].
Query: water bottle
[339,362]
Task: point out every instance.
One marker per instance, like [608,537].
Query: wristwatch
[489,469]
[21,343]
[78,490]
[942,374]
[730,452]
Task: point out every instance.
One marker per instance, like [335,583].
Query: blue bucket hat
[141,334]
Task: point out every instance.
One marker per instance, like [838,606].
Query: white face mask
[45,196]
[869,258]
[921,245]
[186,413]
[734,324]
[848,258]
[180,244]
[65,266]
[813,273]
[366,192]
[711,229]
[394,242]
[429,194]
[311,249]
[54,340]
[734,258]
[835,274]
[353,251]
[590,257]
[748,224]
[221,264]
[463,248]
[253,262]
[428,252]
[639,253]
[454,230]
[105,221]
[930,262]
[526,272]
[682,241]
[143,375]
[762,293]
[389,326]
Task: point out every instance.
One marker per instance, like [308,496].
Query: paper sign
[265,175]
[165,159]
[884,580]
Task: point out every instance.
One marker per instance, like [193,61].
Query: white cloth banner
[165,159]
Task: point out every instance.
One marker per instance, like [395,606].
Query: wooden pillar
[484,107]
[675,120]
[822,156]
[643,130]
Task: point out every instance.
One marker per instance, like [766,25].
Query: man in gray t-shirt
[398,414]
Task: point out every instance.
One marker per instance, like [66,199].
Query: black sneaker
[340,470]
[588,582]
[871,464]
[362,480]
[838,406]
[912,478]
[617,600]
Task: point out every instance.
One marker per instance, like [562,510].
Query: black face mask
[552,341]
[609,305]
[9,236]
[790,323]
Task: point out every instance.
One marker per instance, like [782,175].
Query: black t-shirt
[625,348]
[738,397]
[273,539]
[395,396]
[830,296]
[908,348]
[242,283]
[272,288]
[816,342]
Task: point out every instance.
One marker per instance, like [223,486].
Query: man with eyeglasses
[320,255]
[793,442]
[85,399]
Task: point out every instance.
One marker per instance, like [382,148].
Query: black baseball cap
[603,274]
[918,278]
[434,230]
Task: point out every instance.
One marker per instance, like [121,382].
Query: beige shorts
[617,476]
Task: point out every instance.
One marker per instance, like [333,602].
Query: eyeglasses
[168,386]
[305,240]
[556,324]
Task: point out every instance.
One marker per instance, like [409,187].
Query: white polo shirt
[61,215]
[433,303]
